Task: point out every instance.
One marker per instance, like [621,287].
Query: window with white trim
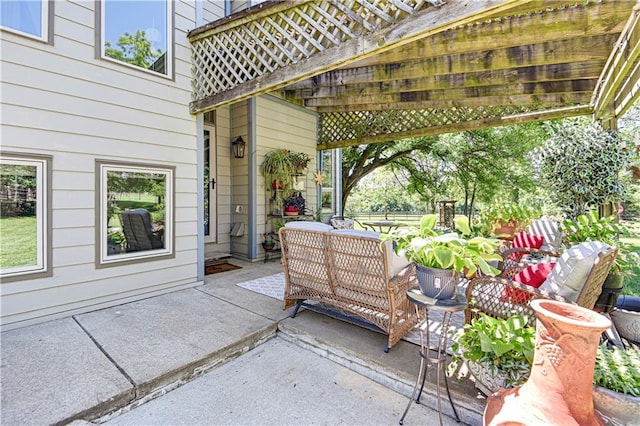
[24,224]
[138,33]
[135,203]
[26,17]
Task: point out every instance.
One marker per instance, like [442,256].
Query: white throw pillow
[342,223]
[570,273]
[309,226]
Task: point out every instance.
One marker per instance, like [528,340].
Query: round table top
[457,303]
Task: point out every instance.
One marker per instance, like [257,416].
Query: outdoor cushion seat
[577,278]
[139,232]
[349,270]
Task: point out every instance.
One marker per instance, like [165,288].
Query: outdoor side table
[439,358]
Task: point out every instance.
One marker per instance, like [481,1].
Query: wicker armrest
[501,298]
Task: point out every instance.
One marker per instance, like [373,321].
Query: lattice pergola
[379,70]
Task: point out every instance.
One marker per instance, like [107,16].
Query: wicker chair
[138,231]
[351,272]
[487,294]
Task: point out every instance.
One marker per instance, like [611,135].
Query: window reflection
[22,216]
[28,17]
[136,33]
[136,211]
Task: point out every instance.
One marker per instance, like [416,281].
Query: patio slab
[159,340]
[53,371]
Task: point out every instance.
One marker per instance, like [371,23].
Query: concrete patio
[97,365]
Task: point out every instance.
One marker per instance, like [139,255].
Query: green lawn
[18,242]
[632,282]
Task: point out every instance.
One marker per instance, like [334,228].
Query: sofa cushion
[395,262]
[572,269]
[533,276]
[525,239]
[342,223]
[549,230]
[309,226]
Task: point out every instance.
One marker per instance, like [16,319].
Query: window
[24,223]
[327,181]
[138,33]
[136,213]
[26,17]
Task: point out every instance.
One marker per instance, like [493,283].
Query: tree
[359,161]
[133,49]
[475,165]
[580,164]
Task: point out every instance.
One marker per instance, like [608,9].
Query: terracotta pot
[559,389]
[508,229]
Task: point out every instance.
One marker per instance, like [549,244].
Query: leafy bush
[580,165]
[618,369]
[504,345]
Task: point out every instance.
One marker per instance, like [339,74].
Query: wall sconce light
[238,147]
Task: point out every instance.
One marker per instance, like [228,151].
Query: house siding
[61,100]
[281,125]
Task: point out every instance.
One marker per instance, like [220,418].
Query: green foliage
[580,165]
[590,227]
[278,166]
[18,241]
[116,238]
[504,345]
[427,247]
[505,212]
[133,49]
[300,160]
[618,369]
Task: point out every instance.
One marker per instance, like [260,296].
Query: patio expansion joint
[106,354]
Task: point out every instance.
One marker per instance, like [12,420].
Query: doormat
[273,286]
[220,267]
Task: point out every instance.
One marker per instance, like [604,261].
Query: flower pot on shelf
[268,246]
[290,211]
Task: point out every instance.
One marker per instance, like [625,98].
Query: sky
[131,15]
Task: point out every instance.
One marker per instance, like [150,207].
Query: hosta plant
[426,246]
[504,347]
[618,369]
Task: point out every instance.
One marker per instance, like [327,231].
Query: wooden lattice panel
[241,50]
[360,125]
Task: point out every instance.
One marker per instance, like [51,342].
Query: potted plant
[293,205]
[591,227]
[440,259]
[300,161]
[269,242]
[616,378]
[506,218]
[279,168]
[498,352]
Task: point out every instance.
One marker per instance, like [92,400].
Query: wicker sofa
[350,270]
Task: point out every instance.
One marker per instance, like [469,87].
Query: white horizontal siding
[61,100]
[212,10]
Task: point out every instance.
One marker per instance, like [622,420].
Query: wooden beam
[467,125]
[463,93]
[557,52]
[546,100]
[619,65]
[426,22]
[628,93]
[566,23]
